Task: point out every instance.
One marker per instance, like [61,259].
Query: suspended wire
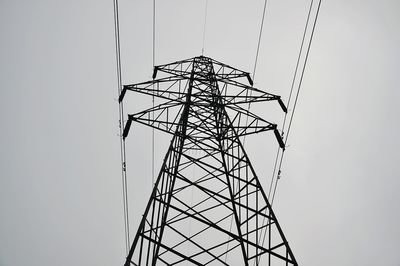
[259,39]
[154,33]
[154,63]
[121,123]
[294,106]
[251,92]
[204,27]
[297,96]
[254,73]
[290,96]
[256,59]
[274,171]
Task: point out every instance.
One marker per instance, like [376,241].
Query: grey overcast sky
[60,185]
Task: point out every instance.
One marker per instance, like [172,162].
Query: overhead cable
[204,27]
[290,96]
[154,64]
[259,38]
[297,96]
[256,59]
[121,123]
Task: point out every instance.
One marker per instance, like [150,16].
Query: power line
[121,123]
[154,63]
[294,106]
[290,95]
[204,27]
[154,33]
[297,96]
[259,38]
[254,74]
[256,59]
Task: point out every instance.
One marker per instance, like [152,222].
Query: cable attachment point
[279,174]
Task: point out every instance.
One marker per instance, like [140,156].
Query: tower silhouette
[207,206]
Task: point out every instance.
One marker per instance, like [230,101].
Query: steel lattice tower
[207,206]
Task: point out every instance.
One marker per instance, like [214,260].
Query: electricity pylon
[207,206]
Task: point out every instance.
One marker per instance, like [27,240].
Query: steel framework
[207,206]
